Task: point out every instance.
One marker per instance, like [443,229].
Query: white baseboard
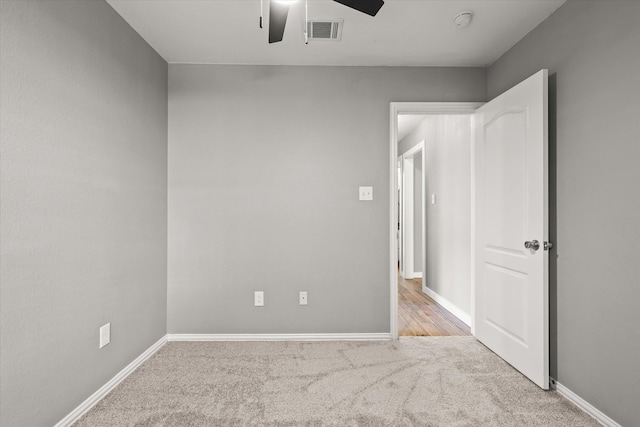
[280,337]
[417,275]
[448,305]
[84,407]
[583,404]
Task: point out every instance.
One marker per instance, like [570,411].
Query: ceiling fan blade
[370,7]
[277,20]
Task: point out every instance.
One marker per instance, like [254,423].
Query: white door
[511,280]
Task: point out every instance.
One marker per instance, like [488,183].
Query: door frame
[431,108]
[407,191]
[400,214]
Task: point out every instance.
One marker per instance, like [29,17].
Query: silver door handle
[533,244]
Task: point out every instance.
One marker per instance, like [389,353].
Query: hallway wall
[448,221]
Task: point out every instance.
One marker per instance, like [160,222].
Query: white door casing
[396,109]
[407,217]
[408,220]
[399,218]
[511,196]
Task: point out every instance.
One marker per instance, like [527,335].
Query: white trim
[411,108]
[399,214]
[434,108]
[407,216]
[85,406]
[583,404]
[414,150]
[393,216]
[448,305]
[280,337]
[423,166]
[472,228]
[408,205]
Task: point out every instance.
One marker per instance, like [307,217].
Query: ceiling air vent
[325,29]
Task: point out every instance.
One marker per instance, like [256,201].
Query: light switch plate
[366,193]
[258,299]
[105,334]
[303,298]
[433,199]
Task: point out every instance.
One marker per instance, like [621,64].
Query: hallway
[419,315]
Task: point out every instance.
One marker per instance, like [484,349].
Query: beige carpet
[425,381]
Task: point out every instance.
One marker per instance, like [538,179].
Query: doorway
[508,212]
[418,313]
[435,189]
[425,241]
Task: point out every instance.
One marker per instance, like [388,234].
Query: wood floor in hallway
[419,315]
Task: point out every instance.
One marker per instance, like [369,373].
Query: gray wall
[423,131]
[83,188]
[448,222]
[591,49]
[264,168]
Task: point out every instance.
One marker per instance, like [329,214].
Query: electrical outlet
[303,298]
[258,298]
[366,193]
[105,335]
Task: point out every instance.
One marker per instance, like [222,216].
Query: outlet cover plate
[366,193]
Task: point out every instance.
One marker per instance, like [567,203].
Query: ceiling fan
[279,9]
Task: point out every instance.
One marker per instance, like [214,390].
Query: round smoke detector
[463,19]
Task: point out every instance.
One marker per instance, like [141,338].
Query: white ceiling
[404,33]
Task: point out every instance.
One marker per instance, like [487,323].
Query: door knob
[533,244]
